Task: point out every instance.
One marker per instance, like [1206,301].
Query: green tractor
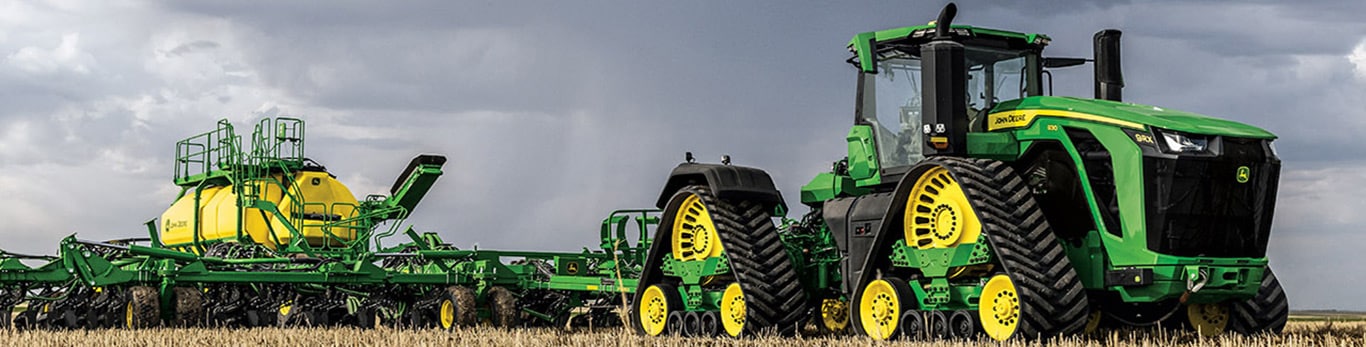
[973,203]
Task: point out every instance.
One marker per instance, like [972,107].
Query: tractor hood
[1122,113]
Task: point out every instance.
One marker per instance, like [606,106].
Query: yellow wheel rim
[938,214]
[284,309]
[879,310]
[447,314]
[654,310]
[128,315]
[694,234]
[733,310]
[1208,319]
[834,314]
[1092,322]
[999,308]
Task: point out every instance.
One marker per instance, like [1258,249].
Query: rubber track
[774,298]
[1053,299]
[1264,313]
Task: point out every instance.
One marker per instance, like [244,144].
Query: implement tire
[503,306]
[1264,313]
[457,308]
[189,307]
[143,308]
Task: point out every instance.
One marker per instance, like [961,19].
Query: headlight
[1181,143]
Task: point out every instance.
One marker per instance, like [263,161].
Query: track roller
[937,323]
[963,324]
[912,325]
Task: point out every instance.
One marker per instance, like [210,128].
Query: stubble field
[1298,333]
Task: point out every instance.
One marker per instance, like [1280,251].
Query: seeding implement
[971,202]
[262,235]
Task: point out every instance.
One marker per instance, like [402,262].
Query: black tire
[1264,313]
[466,311]
[774,299]
[145,304]
[189,307]
[5,321]
[503,308]
[1053,299]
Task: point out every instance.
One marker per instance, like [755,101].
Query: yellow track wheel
[447,314]
[999,308]
[694,234]
[1208,319]
[938,214]
[655,307]
[881,306]
[834,315]
[733,310]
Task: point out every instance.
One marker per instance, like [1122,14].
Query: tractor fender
[726,181]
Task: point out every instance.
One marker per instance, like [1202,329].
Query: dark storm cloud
[553,113]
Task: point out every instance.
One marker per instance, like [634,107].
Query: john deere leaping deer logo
[1244,174]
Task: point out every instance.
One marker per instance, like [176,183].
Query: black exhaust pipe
[1109,78]
[944,90]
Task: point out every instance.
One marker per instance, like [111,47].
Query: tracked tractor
[973,202]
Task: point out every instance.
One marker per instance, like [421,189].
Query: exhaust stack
[944,90]
[1109,78]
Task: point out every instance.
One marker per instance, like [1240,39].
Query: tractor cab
[894,89]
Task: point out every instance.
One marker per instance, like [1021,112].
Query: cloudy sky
[553,113]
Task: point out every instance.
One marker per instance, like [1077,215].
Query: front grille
[1196,205]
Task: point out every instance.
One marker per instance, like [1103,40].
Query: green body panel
[1148,115]
[863,162]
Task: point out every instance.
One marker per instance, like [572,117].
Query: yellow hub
[834,314]
[999,308]
[654,310]
[879,309]
[284,309]
[1208,319]
[447,314]
[733,310]
[694,234]
[938,214]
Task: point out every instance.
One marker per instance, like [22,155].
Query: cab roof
[862,44]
